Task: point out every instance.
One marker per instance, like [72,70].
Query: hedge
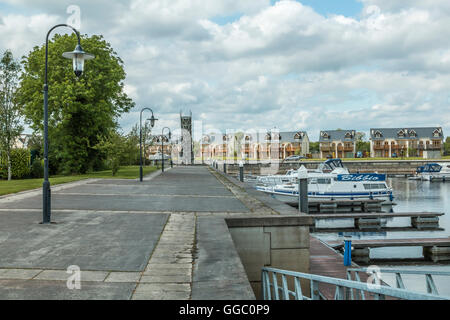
[20,164]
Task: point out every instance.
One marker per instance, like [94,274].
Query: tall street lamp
[78,57]
[162,146]
[152,124]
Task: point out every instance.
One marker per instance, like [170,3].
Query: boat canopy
[430,167]
[330,165]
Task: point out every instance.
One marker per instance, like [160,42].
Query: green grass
[13,186]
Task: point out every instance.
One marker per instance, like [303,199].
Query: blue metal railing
[430,284]
[275,287]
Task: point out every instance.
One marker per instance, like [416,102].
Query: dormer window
[348,135]
[298,136]
[325,136]
[436,133]
[412,133]
[268,136]
[401,134]
[378,134]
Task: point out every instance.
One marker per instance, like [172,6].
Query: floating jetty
[434,249]
[419,220]
[354,205]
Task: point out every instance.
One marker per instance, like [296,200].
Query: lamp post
[152,124]
[162,146]
[78,57]
[143,142]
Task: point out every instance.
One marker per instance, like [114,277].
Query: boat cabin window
[324,180]
[371,186]
[312,180]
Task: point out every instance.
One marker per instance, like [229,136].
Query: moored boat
[332,182]
[433,172]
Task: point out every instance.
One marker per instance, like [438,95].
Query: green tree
[81,110]
[146,139]
[131,154]
[113,147]
[314,147]
[361,144]
[447,146]
[10,113]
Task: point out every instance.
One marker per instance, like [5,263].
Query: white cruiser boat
[433,172]
[333,166]
[329,186]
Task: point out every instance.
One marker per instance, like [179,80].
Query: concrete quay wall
[390,167]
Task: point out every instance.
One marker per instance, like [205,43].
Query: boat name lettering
[361,177]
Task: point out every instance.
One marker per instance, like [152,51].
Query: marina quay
[216,159]
[193,233]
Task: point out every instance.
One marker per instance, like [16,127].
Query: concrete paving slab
[215,277]
[222,290]
[130,203]
[153,265]
[160,295]
[123,277]
[153,189]
[166,279]
[24,274]
[104,242]
[62,275]
[57,290]
[186,272]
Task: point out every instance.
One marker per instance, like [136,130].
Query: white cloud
[280,65]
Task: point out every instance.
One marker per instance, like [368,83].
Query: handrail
[344,288]
[431,286]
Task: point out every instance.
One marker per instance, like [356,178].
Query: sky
[260,64]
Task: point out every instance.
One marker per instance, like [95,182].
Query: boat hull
[292,197]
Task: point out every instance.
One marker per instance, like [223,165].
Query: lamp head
[152,120]
[78,57]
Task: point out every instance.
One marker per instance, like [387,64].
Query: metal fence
[275,287]
[429,281]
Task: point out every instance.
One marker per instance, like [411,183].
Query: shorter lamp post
[162,146]
[152,124]
[241,171]
[302,189]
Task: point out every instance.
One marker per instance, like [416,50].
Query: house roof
[406,133]
[337,135]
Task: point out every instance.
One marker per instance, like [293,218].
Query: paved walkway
[154,239]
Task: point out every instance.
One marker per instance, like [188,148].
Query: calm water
[410,196]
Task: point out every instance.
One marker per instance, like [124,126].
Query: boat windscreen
[331,164]
[432,167]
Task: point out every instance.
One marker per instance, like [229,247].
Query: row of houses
[425,142]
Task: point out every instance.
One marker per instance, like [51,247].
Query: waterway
[410,196]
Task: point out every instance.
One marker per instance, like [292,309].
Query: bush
[20,164]
[37,168]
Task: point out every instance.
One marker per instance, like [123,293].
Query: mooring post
[241,171]
[348,251]
[302,175]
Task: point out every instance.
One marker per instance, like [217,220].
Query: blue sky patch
[348,8]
